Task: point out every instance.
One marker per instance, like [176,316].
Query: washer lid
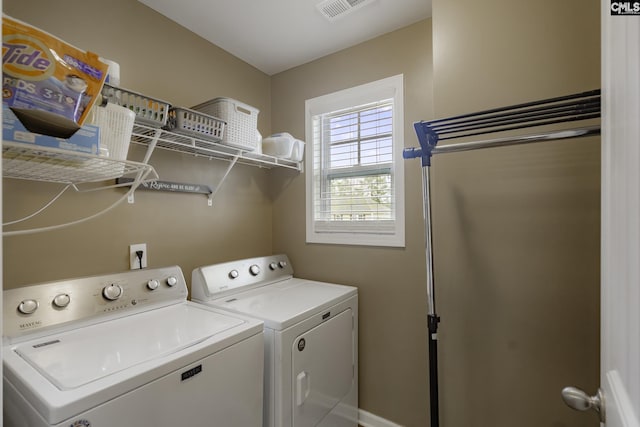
[77,357]
[282,304]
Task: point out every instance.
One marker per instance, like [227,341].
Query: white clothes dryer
[310,333]
[127,349]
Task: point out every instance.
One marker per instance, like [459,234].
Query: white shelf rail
[86,172]
[212,149]
[80,171]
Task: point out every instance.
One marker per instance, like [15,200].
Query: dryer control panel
[218,280]
[46,305]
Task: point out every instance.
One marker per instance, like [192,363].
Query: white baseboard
[367,419]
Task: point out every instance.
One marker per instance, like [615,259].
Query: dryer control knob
[28,306]
[171,281]
[254,270]
[61,300]
[152,284]
[112,292]
[273,265]
[233,274]
[282,264]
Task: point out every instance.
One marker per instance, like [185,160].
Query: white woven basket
[116,125]
[241,119]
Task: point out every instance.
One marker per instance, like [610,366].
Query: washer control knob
[152,284]
[254,270]
[171,281]
[61,300]
[273,266]
[282,264]
[28,306]
[112,292]
[233,274]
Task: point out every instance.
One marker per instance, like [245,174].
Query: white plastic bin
[284,146]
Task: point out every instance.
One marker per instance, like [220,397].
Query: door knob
[581,401]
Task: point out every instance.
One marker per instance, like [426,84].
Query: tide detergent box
[49,84]
[84,140]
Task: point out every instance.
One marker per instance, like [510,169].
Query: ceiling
[276,35]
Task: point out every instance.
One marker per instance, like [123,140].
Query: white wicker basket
[116,125]
[241,119]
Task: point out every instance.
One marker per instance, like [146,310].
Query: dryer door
[323,368]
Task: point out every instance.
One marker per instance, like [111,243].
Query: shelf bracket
[224,177]
[152,146]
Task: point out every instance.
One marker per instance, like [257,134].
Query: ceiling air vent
[335,9]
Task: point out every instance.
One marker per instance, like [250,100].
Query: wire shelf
[87,172]
[23,161]
[166,140]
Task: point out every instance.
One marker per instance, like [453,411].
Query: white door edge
[616,394]
[620,266]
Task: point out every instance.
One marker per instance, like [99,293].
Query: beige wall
[393,365]
[516,230]
[161,59]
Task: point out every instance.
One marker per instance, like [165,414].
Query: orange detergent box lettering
[49,84]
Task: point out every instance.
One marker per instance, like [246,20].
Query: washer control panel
[50,304]
[217,280]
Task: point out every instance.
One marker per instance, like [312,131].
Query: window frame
[390,233]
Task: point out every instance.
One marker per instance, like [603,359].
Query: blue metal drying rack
[547,112]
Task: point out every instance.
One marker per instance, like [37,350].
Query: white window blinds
[355,182]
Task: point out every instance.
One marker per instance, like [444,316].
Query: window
[355,175]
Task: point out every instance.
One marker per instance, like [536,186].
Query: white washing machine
[310,333]
[127,349]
